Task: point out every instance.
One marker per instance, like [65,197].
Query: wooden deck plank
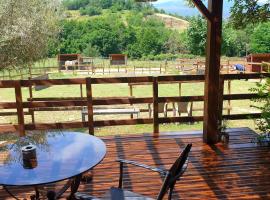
[238,170]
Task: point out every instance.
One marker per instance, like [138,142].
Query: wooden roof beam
[205,12]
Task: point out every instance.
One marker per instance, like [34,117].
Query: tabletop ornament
[29,156]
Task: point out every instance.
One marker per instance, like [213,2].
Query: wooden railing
[89,101]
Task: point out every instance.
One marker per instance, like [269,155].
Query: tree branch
[203,9]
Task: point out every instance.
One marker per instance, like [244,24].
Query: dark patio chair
[170,178]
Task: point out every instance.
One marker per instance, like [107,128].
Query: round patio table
[59,156]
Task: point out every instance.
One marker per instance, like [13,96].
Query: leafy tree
[177,43]
[234,42]
[75,4]
[105,3]
[260,39]
[197,35]
[114,5]
[262,102]
[90,10]
[246,12]
[91,51]
[27,29]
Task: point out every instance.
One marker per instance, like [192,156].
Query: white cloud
[263,1]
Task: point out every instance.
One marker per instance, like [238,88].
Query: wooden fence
[89,101]
[183,65]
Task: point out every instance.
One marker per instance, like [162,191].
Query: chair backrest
[175,172]
[183,107]
[161,107]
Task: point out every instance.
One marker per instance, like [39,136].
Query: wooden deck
[239,170]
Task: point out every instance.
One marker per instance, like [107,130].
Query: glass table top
[58,156]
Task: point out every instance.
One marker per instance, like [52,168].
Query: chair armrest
[131,162]
[182,170]
[83,196]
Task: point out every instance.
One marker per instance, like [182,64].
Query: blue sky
[179,7]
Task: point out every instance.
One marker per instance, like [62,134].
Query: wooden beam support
[205,12]
[212,73]
[19,103]
[155,107]
[220,104]
[90,106]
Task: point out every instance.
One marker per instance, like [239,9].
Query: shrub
[91,11]
[263,104]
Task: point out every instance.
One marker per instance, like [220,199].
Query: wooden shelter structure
[238,170]
[118,59]
[255,61]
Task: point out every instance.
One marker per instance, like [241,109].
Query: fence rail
[90,101]
[101,65]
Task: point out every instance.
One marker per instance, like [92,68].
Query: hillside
[170,22]
[103,27]
[173,22]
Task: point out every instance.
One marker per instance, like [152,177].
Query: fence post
[31,111]
[155,107]
[90,106]
[81,90]
[229,101]
[19,103]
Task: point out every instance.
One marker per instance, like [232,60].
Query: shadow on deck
[239,170]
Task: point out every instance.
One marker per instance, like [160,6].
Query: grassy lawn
[107,90]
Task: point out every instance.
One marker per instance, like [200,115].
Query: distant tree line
[95,7]
[235,42]
[135,35]
[139,35]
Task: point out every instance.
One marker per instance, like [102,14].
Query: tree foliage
[115,5]
[260,39]
[246,12]
[27,29]
[234,42]
[140,36]
[137,36]
[262,102]
[91,10]
[197,33]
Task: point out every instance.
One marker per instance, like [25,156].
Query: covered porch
[237,170]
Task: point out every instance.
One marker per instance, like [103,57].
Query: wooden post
[134,69]
[9,74]
[21,73]
[81,90]
[19,103]
[213,52]
[31,111]
[30,71]
[90,106]
[229,101]
[180,89]
[220,99]
[88,69]
[155,107]
[130,90]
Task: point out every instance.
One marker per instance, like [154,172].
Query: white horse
[71,63]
